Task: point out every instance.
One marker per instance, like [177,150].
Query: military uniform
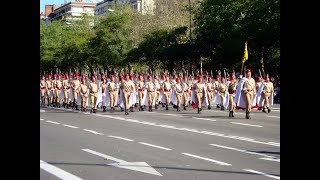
[258,84]
[216,88]
[103,85]
[166,86]
[58,91]
[93,88]
[199,91]
[43,90]
[232,93]
[150,87]
[249,90]
[112,94]
[127,86]
[66,91]
[178,92]
[210,90]
[49,87]
[267,90]
[185,94]
[84,95]
[222,91]
[54,95]
[157,86]
[75,89]
[140,88]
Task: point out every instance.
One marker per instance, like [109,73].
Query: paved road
[163,144]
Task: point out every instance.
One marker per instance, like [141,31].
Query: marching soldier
[75,84]
[140,88]
[210,90]
[186,91]
[54,95]
[199,92]
[43,89]
[166,91]
[178,92]
[84,91]
[112,87]
[222,91]
[93,88]
[249,90]
[150,87]
[127,87]
[103,85]
[58,91]
[49,89]
[232,92]
[258,84]
[158,89]
[216,87]
[66,90]
[268,89]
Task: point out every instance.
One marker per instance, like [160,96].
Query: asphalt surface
[159,145]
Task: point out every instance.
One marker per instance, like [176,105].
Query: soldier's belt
[210,90]
[150,91]
[141,90]
[199,92]
[111,90]
[58,88]
[166,90]
[43,88]
[93,92]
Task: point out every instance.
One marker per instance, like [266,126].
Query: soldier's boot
[94,110]
[264,110]
[121,109]
[179,109]
[184,108]
[167,107]
[127,111]
[48,102]
[198,110]
[269,110]
[259,108]
[209,107]
[64,105]
[84,109]
[104,109]
[218,105]
[91,110]
[135,105]
[222,108]
[77,107]
[156,106]
[67,106]
[140,108]
[162,104]
[131,109]
[232,114]
[248,115]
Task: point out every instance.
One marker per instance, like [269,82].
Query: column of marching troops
[147,91]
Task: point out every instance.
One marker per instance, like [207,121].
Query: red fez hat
[83,78]
[178,79]
[140,75]
[112,76]
[54,74]
[149,77]
[185,76]
[209,77]
[127,75]
[93,76]
[248,70]
[59,75]
[222,78]
[103,77]
[67,75]
[228,79]
[217,76]
[199,76]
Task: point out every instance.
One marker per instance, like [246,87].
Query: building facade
[73,10]
[142,6]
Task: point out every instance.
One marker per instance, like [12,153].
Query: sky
[50,2]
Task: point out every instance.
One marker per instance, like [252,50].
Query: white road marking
[204,119]
[276,110]
[271,159]
[118,137]
[246,124]
[170,114]
[57,171]
[94,132]
[240,150]
[53,122]
[69,126]
[191,130]
[207,159]
[41,119]
[136,166]
[274,116]
[155,146]
[42,110]
[261,173]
